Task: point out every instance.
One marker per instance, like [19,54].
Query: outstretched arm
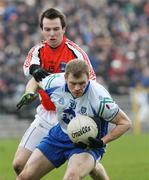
[31,86]
[30,93]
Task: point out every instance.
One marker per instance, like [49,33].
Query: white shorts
[39,128]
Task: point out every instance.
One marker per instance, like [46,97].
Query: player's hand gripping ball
[80,129]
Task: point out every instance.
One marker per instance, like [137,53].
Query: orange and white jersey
[54,60]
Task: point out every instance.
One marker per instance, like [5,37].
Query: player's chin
[53,43]
[77,95]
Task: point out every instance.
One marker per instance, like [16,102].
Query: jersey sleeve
[32,58]
[108,109]
[92,74]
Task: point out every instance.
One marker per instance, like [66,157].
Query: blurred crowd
[114,33]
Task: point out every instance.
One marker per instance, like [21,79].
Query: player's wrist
[33,68]
[28,95]
[96,143]
[38,72]
[29,92]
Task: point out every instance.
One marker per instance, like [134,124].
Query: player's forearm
[122,123]
[31,86]
[115,133]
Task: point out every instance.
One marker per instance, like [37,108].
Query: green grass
[126,159]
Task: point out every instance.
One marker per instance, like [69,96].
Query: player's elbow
[124,120]
[26,71]
[128,124]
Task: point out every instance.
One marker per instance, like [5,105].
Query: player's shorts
[39,128]
[57,147]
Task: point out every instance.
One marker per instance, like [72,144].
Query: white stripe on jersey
[32,58]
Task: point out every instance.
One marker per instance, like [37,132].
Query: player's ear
[64,30]
[66,76]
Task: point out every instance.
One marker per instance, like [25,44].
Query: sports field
[125,159]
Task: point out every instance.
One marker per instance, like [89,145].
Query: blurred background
[114,33]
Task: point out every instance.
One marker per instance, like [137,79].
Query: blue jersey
[95,102]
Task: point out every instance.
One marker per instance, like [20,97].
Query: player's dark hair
[77,67]
[53,13]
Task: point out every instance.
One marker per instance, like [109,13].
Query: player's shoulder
[99,88]
[53,80]
[38,46]
[57,76]
[73,46]
[70,42]
[107,107]
[96,84]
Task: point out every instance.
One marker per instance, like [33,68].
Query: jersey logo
[68,114]
[62,66]
[61,101]
[72,104]
[83,110]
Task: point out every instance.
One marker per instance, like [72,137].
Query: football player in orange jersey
[49,56]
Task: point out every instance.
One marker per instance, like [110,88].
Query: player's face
[77,85]
[53,32]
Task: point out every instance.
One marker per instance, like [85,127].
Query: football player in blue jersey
[77,93]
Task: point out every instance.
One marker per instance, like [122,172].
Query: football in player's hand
[81,128]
